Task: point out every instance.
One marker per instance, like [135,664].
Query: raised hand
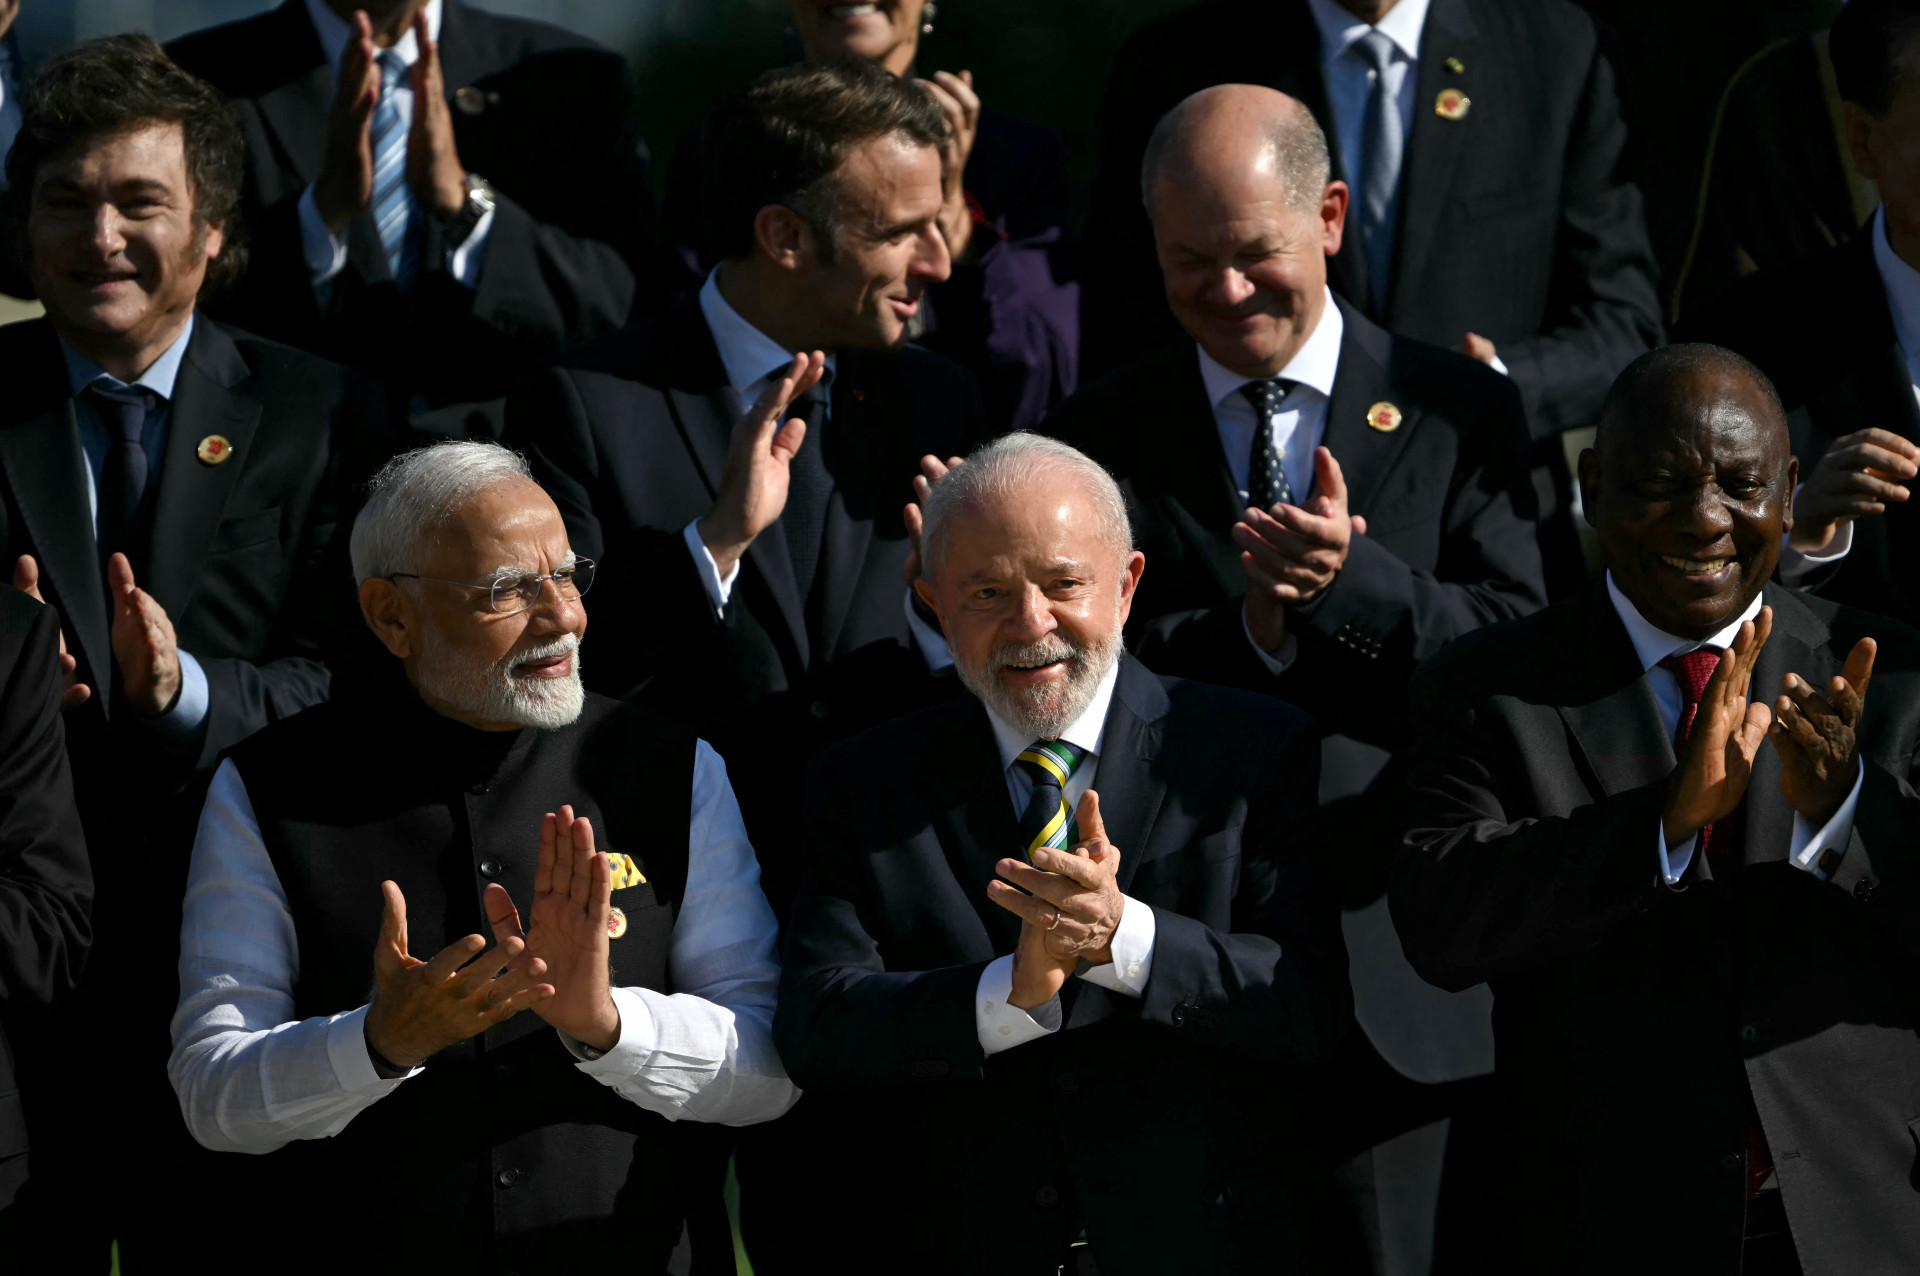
[344,187]
[572,903]
[434,170]
[753,486]
[1475,346]
[422,1007]
[143,642]
[1291,553]
[932,470]
[1860,475]
[1713,773]
[1073,897]
[1816,736]
[961,105]
[73,694]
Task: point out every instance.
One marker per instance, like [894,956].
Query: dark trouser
[1769,1247]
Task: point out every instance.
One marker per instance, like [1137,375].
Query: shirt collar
[334,32]
[1315,364]
[1084,732]
[746,353]
[159,376]
[1902,285]
[1653,645]
[1339,29]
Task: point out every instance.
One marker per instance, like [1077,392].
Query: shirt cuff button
[1133,971]
[1006,1030]
[987,1006]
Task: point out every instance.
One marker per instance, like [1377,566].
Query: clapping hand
[73,694]
[1816,736]
[1071,905]
[961,105]
[753,486]
[434,170]
[1292,553]
[144,645]
[1713,773]
[1860,475]
[932,470]
[572,904]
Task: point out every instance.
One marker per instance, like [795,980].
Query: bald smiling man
[1671,823]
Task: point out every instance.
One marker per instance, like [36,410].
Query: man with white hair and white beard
[512,1108]
[1065,1055]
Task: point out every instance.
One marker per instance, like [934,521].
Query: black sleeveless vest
[501,1156]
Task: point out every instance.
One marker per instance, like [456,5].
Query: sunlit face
[1033,595]
[887,249]
[469,662]
[883,31]
[1245,271]
[1691,491]
[115,251]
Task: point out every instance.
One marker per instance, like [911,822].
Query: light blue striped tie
[395,213]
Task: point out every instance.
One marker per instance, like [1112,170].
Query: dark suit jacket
[46,885]
[1165,1125]
[629,435]
[568,257]
[1633,1019]
[1449,547]
[1514,221]
[1839,371]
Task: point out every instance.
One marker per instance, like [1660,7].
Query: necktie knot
[1267,395]
[393,68]
[1048,821]
[125,407]
[1693,671]
[1375,49]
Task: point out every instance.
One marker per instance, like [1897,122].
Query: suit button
[1865,889]
[819,709]
[1047,1196]
[479,788]
[1066,1083]
[1749,1034]
[509,1177]
[490,869]
[1180,1014]
[1733,1163]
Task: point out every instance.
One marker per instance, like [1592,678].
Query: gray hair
[992,471]
[420,491]
[1295,140]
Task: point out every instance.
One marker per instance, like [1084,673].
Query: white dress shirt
[1002,1026]
[1653,645]
[251,1078]
[1902,284]
[327,256]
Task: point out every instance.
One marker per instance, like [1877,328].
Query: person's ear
[1333,216]
[1134,567]
[216,240]
[922,588]
[1590,485]
[390,614]
[1858,126]
[784,236]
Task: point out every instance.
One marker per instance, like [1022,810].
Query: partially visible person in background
[46,883]
[1839,335]
[440,196]
[13,273]
[1010,312]
[178,490]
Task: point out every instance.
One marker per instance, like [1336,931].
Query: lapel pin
[616,924]
[1454,66]
[1452,104]
[470,100]
[214,449]
[1384,417]
[860,396]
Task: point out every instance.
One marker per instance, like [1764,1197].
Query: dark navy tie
[123,479]
[1266,477]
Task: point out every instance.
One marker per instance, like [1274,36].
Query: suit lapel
[193,494]
[1433,148]
[1798,645]
[857,449]
[1608,705]
[1365,454]
[1136,760]
[1199,496]
[972,814]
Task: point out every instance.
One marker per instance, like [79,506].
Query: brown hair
[123,82]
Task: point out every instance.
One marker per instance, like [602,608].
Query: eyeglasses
[517,591]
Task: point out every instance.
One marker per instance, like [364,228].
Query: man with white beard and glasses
[1062,1019]
[536,1106]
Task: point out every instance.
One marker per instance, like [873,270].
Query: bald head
[1235,136]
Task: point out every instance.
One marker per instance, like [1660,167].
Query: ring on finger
[1056,920]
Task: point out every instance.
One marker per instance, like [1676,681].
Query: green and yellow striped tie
[1049,820]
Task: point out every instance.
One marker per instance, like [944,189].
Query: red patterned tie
[1720,843]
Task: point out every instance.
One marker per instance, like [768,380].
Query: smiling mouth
[843,11]
[93,280]
[543,667]
[1030,668]
[1697,566]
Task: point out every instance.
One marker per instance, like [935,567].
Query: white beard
[493,693]
[1045,711]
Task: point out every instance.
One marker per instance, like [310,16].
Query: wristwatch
[480,202]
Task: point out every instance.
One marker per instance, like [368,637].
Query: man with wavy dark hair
[179,491]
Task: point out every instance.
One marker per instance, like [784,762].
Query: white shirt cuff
[347,1051]
[1810,845]
[464,262]
[1796,566]
[635,1046]
[1500,367]
[931,642]
[326,256]
[1275,662]
[181,724]
[718,589]
[1132,947]
[1001,1026]
[1675,862]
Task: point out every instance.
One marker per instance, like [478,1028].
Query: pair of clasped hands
[1814,734]
[1069,905]
[555,967]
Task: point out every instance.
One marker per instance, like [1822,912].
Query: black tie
[809,486]
[1266,477]
[123,479]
